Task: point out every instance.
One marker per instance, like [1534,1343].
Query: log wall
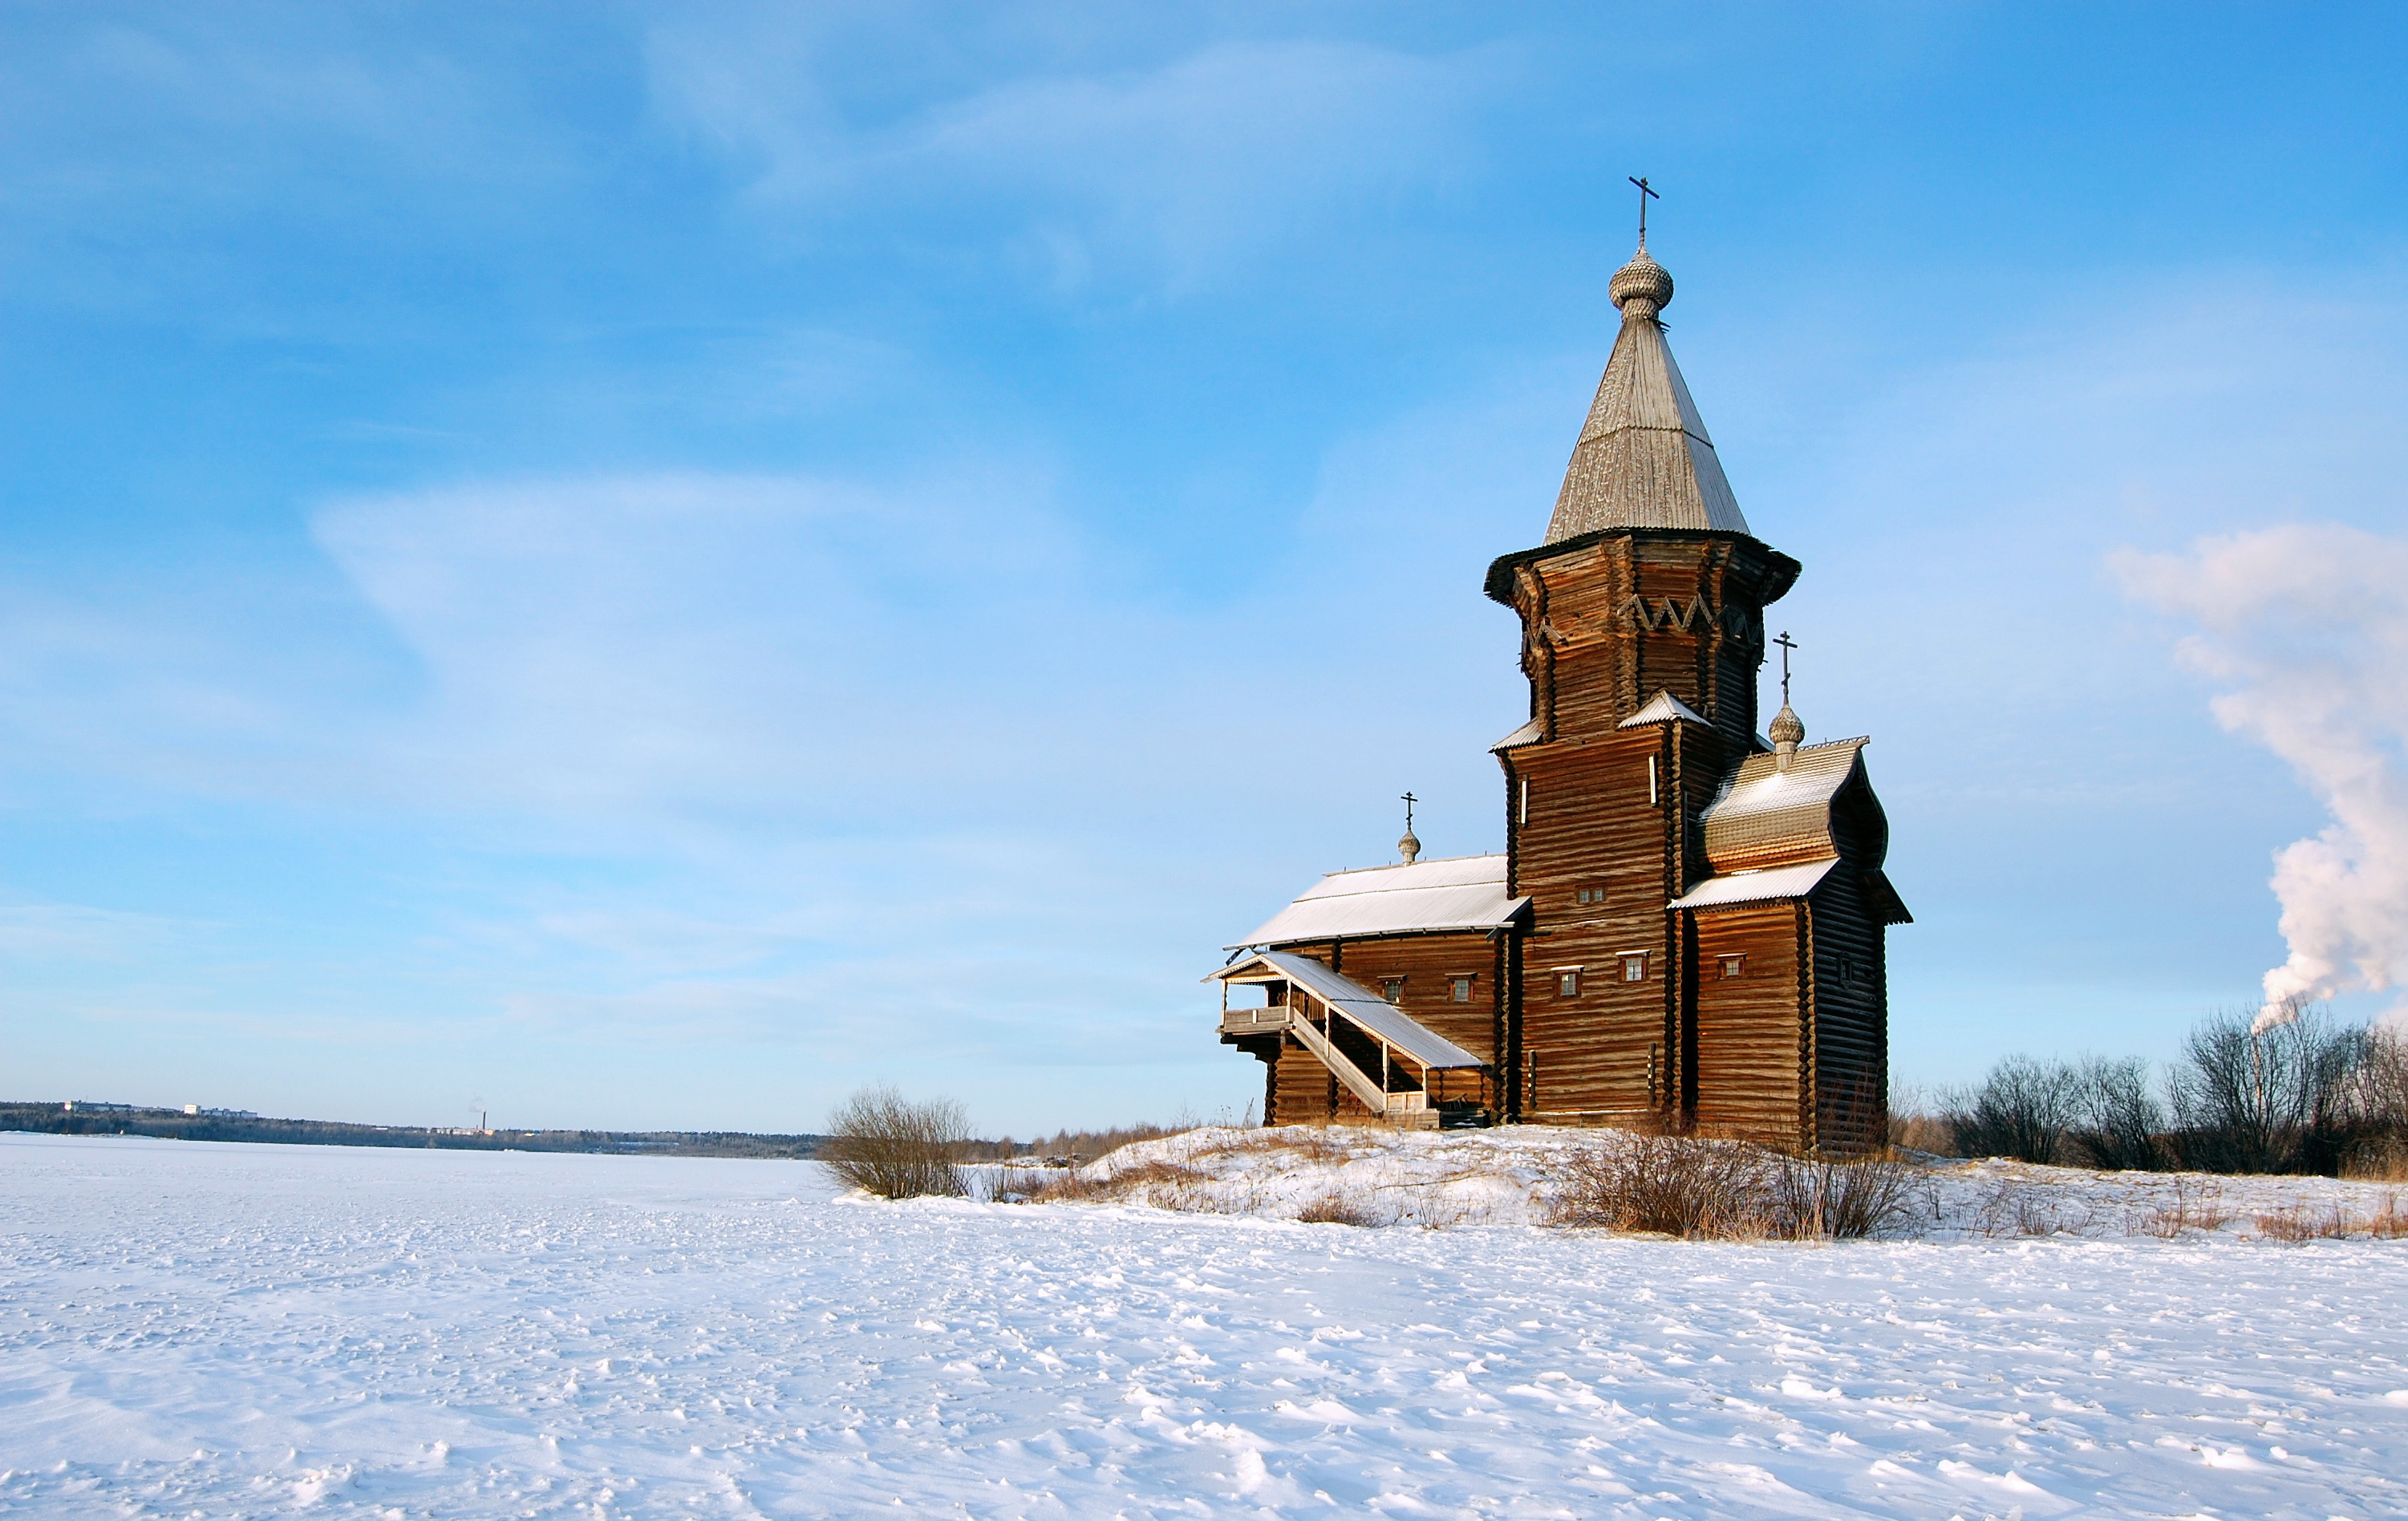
[1750,1035]
[1591,827]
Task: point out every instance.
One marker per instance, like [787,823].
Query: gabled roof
[1357,1003]
[1643,459]
[1464,891]
[1663,708]
[1767,816]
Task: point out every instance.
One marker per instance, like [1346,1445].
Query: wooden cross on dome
[1786,644]
[1645,194]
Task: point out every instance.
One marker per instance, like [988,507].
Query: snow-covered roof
[1663,708]
[1767,816]
[1757,887]
[1463,892]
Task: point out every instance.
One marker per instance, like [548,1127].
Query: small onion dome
[1408,847]
[1786,731]
[1642,280]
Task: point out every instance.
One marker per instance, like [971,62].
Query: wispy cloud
[1168,174]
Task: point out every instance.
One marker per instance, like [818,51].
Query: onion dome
[1788,730]
[1642,280]
[1408,847]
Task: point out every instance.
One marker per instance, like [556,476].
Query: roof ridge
[1426,860]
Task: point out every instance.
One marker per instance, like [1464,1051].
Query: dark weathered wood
[1794,1051]
[1749,1032]
[1603,832]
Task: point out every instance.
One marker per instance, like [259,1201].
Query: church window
[1567,981]
[1463,990]
[1592,894]
[1393,989]
[1634,966]
[1734,966]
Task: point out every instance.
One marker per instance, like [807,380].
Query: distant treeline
[2308,1095]
[58,1119]
[1081,1145]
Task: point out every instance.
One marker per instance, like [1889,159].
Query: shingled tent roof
[1643,459]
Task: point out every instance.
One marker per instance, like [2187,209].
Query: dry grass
[1922,1133]
[2296,1222]
[1310,1144]
[2198,1205]
[1337,1210]
[1364,1197]
[1148,1183]
[2380,1161]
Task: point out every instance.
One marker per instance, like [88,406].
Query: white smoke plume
[2306,629]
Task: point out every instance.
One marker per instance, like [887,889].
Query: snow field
[189,1329]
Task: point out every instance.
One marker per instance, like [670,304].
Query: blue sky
[646,566]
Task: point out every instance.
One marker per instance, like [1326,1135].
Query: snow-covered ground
[1508,1177]
[198,1331]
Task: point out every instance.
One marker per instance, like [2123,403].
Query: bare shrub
[1670,1185]
[2022,1110]
[2117,1124]
[1814,1198]
[2388,1223]
[888,1145]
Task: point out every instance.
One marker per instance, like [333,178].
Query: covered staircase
[1390,1062]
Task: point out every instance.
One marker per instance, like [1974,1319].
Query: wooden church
[1685,929]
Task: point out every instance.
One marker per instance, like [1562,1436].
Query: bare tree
[2118,1126]
[2379,1098]
[882,1142]
[2022,1110]
[2278,1099]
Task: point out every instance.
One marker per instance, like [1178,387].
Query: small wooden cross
[1410,801]
[1645,194]
[1786,644]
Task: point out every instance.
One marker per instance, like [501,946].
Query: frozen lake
[202,1331]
